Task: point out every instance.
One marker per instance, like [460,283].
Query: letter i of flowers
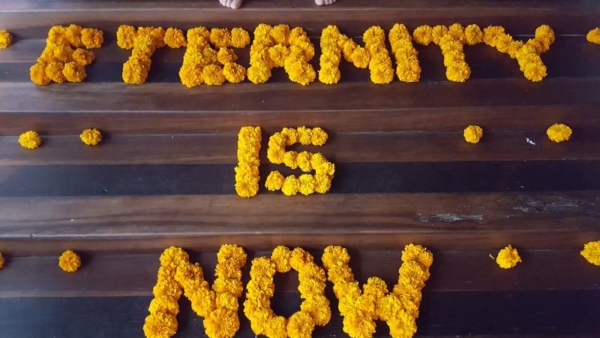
[306,184]
[246,172]
[314,309]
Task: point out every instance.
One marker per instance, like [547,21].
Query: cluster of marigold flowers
[527,53]
[280,46]
[408,68]
[306,184]
[203,64]
[399,308]
[314,310]
[219,306]
[374,55]
[143,42]
[246,172]
[59,62]
[451,41]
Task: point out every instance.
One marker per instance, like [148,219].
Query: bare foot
[235,4]
[324,2]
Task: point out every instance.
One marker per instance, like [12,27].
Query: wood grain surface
[163,174]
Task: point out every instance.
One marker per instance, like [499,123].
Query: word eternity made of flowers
[210,58]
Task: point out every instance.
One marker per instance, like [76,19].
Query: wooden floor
[164,173]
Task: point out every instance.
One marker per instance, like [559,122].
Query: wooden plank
[536,117]
[350,178]
[26,22]
[340,148]
[452,271]
[441,314]
[383,221]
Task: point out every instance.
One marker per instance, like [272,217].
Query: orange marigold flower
[54,71]
[591,252]
[508,257]
[69,261]
[92,38]
[174,38]
[38,75]
[291,186]
[593,36]
[83,57]
[473,133]
[239,38]
[91,137]
[212,75]
[234,73]
[74,72]
[30,140]
[274,181]
[220,37]
[226,55]
[5,39]
[559,132]
[126,36]
[1,261]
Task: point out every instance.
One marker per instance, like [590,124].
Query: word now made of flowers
[219,305]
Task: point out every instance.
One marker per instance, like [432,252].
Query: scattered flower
[91,137]
[473,134]
[30,140]
[591,252]
[559,132]
[5,39]
[593,36]
[69,261]
[508,257]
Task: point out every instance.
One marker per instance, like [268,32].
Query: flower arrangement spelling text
[306,184]
[314,309]
[281,46]
[399,308]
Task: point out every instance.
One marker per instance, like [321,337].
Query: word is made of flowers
[248,153]
[219,304]
[210,57]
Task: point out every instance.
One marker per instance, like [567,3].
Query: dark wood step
[452,271]
[456,221]
[394,147]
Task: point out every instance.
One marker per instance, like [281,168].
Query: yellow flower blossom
[508,257]
[74,72]
[174,38]
[54,71]
[593,36]
[30,140]
[69,261]
[5,39]
[220,37]
[559,132]
[591,252]
[473,134]
[92,38]
[212,75]
[239,38]
[249,139]
[91,137]
[83,57]
[274,181]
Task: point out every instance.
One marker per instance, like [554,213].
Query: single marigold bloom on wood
[69,261]
[5,39]
[92,38]
[559,132]
[508,257]
[30,140]
[594,36]
[91,137]
[591,252]
[473,134]
[38,75]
